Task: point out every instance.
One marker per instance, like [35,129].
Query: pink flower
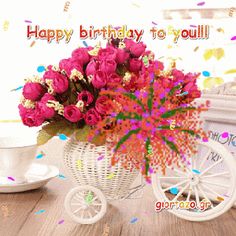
[47,112]
[60,83]
[137,49]
[92,117]
[113,80]
[108,65]
[33,91]
[107,53]
[30,117]
[99,79]
[69,64]
[121,56]
[135,65]
[72,113]
[91,68]
[81,55]
[102,105]
[86,97]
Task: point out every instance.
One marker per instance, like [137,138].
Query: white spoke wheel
[85,204]
[214,182]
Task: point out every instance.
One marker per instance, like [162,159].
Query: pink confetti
[201,4]
[225,135]
[11,178]
[61,222]
[100,158]
[233,38]
[194,26]
[154,23]
[205,140]
[28,21]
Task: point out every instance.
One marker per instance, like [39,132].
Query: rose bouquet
[118,91]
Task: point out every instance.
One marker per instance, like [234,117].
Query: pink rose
[137,49]
[72,113]
[92,117]
[108,65]
[107,53]
[47,112]
[113,80]
[33,91]
[121,56]
[99,79]
[81,55]
[91,68]
[68,65]
[86,97]
[135,65]
[60,83]
[102,105]
[31,117]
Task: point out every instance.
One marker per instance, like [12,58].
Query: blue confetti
[134,220]
[234,143]
[17,88]
[85,44]
[39,156]
[39,212]
[174,190]
[206,73]
[61,176]
[62,137]
[41,69]
[196,171]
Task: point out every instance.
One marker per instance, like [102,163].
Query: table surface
[17,212]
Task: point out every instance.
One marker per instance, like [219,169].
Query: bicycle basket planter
[91,165]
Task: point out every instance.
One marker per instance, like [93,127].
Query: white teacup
[16,156]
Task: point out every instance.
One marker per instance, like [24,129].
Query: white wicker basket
[81,161]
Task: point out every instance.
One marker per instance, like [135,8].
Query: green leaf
[124,138]
[55,127]
[82,135]
[147,145]
[191,132]
[134,98]
[172,91]
[122,116]
[173,112]
[170,144]
[150,97]
[43,137]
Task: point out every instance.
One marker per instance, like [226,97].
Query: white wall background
[19,60]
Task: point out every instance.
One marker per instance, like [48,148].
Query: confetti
[11,178]
[85,44]
[201,4]
[194,26]
[16,89]
[206,73]
[40,155]
[89,198]
[5,25]
[225,135]
[154,23]
[66,6]
[220,198]
[196,48]
[28,21]
[110,176]
[41,69]
[79,164]
[136,5]
[134,220]
[225,195]
[39,212]
[230,71]
[196,171]
[234,143]
[62,137]
[174,190]
[61,222]
[61,176]
[233,38]
[182,94]
[100,158]
[32,44]
[220,30]
[205,140]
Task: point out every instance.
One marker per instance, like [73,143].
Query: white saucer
[37,176]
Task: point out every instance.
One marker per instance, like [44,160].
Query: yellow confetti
[208,54]
[220,198]
[5,25]
[196,48]
[10,121]
[110,176]
[220,30]
[79,164]
[218,53]
[231,71]
[212,82]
